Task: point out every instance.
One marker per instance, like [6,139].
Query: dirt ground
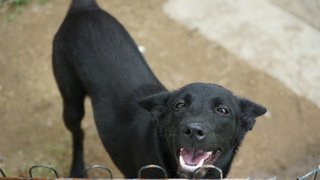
[284,143]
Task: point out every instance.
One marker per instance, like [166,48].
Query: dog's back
[101,52]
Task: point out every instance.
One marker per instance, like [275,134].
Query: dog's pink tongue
[193,156]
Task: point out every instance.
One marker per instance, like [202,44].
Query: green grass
[60,155]
[16,7]
[42,2]
[18,2]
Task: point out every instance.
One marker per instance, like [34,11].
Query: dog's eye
[180,105]
[222,110]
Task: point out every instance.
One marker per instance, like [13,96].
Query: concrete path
[262,33]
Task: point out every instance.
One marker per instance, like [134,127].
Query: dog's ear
[156,102]
[249,111]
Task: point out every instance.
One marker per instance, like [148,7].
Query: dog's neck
[170,164]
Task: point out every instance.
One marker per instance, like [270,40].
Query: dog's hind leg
[73,112]
[73,94]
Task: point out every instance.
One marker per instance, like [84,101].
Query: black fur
[138,120]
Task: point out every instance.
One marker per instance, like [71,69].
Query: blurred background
[266,50]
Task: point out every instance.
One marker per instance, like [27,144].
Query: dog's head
[203,124]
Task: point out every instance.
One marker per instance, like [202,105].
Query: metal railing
[313,174]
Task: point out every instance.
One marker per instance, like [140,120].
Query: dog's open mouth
[190,159]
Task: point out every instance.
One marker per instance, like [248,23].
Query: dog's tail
[82,4]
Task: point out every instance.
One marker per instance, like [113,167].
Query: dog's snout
[194,131]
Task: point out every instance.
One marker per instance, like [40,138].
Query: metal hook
[99,167]
[41,166]
[2,173]
[152,166]
[314,172]
[204,167]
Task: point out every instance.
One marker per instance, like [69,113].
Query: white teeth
[189,168]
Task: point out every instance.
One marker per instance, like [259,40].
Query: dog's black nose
[194,131]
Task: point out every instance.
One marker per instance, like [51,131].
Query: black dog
[138,120]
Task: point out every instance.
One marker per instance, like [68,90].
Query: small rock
[142,49]
[49,123]
[10,94]
[268,114]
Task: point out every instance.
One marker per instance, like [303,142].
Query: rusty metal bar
[205,167]
[45,167]
[99,167]
[313,172]
[2,173]
[152,166]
